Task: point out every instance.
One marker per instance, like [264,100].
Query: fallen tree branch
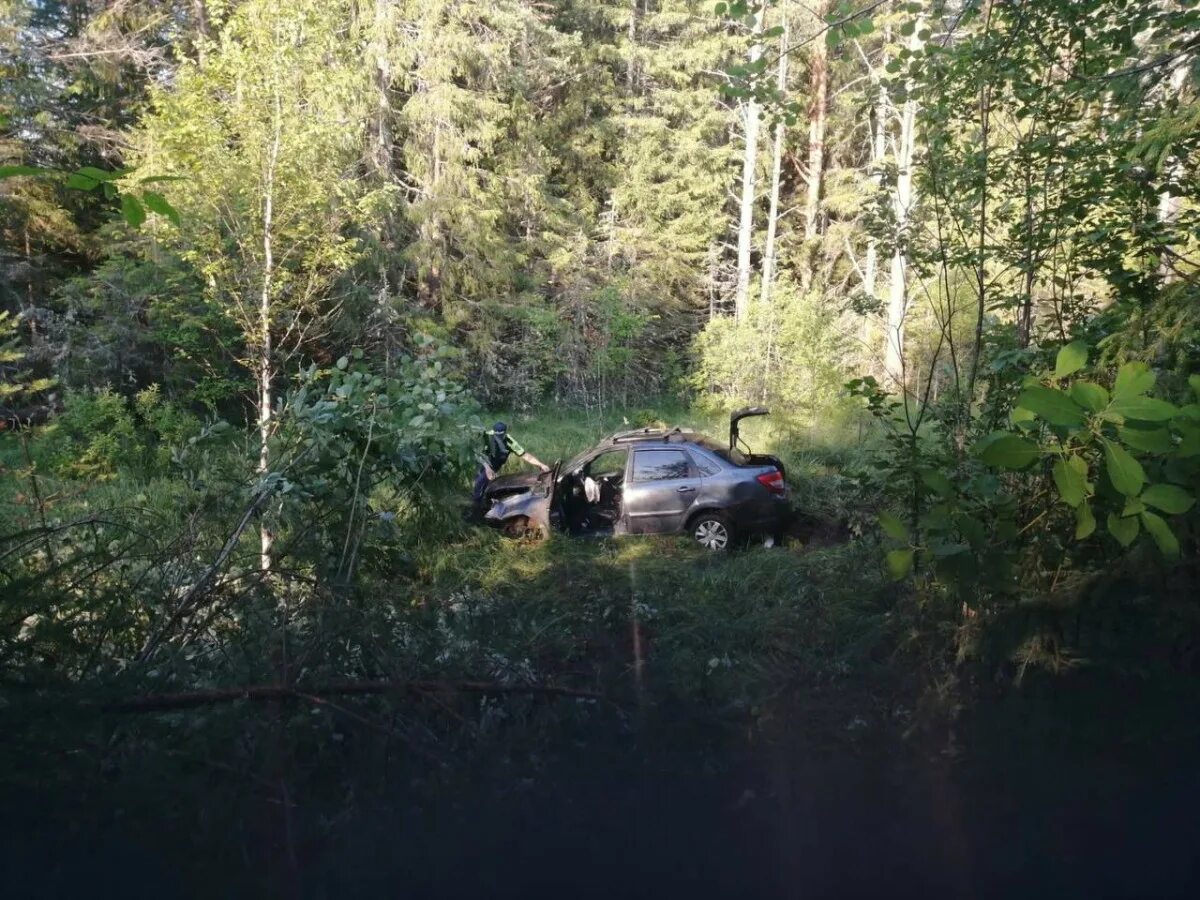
[264,692]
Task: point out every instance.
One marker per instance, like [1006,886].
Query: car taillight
[773,482]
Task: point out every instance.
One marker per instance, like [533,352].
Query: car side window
[659,465]
[705,464]
[611,462]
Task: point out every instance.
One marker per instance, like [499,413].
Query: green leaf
[721,9]
[157,203]
[907,28]
[132,210]
[78,182]
[1133,379]
[1169,498]
[899,563]
[893,527]
[99,174]
[1072,486]
[1071,358]
[1133,506]
[1124,471]
[1124,530]
[155,179]
[1158,529]
[1156,440]
[15,171]
[1007,451]
[1144,409]
[1194,381]
[1085,522]
[1052,405]
[342,362]
[937,482]
[1089,396]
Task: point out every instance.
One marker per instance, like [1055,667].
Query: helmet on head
[500,428]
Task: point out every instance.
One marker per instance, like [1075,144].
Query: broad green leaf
[159,204]
[1158,529]
[893,527]
[1089,396]
[132,210]
[937,482]
[1169,498]
[78,182]
[971,529]
[1133,506]
[1085,522]
[1148,440]
[1007,451]
[1190,411]
[899,563]
[1144,409]
[1020,414]
[1194,381]
[1071,359]
[1124,530]
[1124,471]
[1052,405]
[1133,379]
[1072,486]
[99,174]
[15,171]
[1190,445]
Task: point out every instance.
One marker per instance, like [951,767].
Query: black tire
[713,531]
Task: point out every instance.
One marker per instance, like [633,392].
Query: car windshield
[734,456]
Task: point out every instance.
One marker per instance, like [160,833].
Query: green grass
[718,631]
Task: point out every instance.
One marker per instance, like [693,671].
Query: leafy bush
[789,354]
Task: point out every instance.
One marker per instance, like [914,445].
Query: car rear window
[659,465]
[734,456]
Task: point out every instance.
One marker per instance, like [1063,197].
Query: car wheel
[712,531]
[521,528]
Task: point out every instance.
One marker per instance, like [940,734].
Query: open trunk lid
[754,459]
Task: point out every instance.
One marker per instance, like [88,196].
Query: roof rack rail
[637,435]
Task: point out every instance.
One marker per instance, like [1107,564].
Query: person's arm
[523,454]
[534,461]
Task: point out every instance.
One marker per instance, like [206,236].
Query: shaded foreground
[661,813]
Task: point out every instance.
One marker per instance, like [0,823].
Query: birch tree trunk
[878,152]
[903,201]
[1170,204]
[746,219]
[768,273]
[265,369]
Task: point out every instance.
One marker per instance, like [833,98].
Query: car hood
[518,480]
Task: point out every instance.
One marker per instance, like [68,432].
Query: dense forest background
[266,267]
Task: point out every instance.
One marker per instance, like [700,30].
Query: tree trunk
[903,201]
[1170,204]
[818,80]
[202,29]
[265,368]
[381,138]
[768,273]
[746,218]
[878,152]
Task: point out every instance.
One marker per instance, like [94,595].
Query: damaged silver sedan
[651,481]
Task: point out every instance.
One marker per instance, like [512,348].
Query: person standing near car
[498,446]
